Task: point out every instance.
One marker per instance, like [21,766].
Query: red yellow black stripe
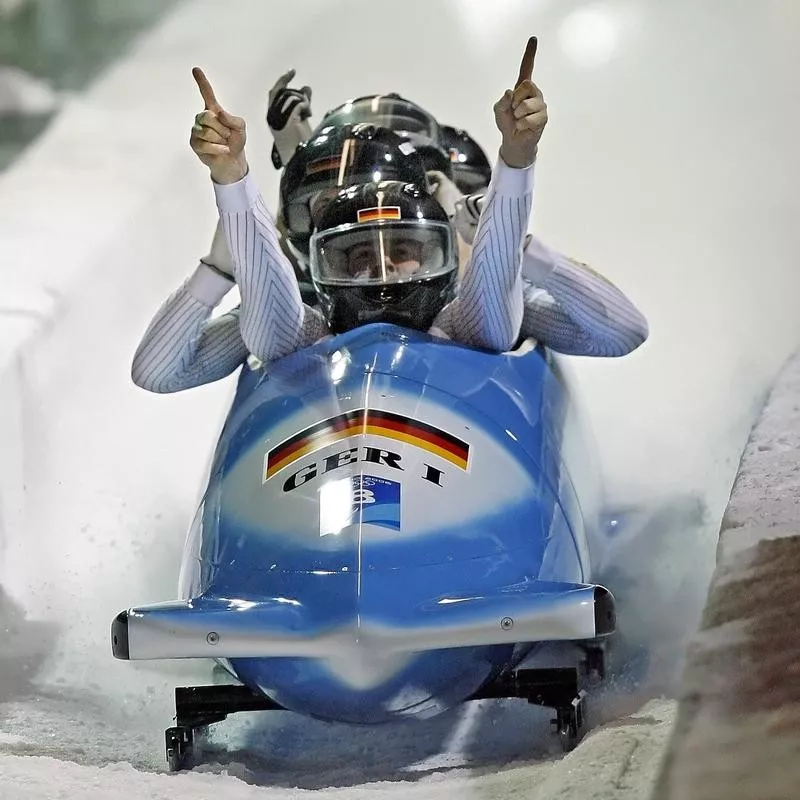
[324,165]
[379,212]
[373,422]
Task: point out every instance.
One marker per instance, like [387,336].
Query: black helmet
[383,252]
[434,158]
[406,119]
[389,111]
[336,157]
[471,168]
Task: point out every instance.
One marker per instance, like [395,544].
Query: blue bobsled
[390,526]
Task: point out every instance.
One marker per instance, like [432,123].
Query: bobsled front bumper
[223,628]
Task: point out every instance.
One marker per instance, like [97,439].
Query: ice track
[650,170]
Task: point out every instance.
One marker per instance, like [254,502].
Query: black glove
[288,112]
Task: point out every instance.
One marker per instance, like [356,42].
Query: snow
[620,760]
[766,490]
[680,196]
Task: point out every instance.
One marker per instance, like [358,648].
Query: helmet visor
[382,252]
[400,116]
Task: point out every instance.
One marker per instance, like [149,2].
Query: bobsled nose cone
[605,615]
[362,669]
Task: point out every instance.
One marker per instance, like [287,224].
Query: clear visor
[382,252]
[387,113]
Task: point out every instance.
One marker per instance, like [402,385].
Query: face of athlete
[401,258]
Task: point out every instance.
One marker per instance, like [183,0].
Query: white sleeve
[573,310]
[182,347]
[488,310]
[273,319]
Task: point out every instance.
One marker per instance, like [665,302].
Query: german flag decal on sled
[361,421]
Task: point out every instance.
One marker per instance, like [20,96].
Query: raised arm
[274,321]
[488,310]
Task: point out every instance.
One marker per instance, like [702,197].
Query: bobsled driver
[381,252]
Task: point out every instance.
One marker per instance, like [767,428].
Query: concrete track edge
[737,733]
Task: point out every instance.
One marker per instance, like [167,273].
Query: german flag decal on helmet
[336,162]
[329,164]
[379,212]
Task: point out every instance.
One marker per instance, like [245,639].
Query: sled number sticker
[378,499]
[365,498]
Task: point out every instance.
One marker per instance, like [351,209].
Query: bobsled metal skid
[200,706]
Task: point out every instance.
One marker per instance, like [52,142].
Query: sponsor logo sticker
[365,498]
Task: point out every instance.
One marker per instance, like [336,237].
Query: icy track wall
[98,224]
[737,733]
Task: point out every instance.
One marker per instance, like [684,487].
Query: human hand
[521,115]
[444,190]
[218,138]
[288,111]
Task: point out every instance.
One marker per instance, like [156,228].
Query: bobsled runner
[390,526]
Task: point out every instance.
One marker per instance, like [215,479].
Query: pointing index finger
[285,79]
[207,93]
[526,65]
